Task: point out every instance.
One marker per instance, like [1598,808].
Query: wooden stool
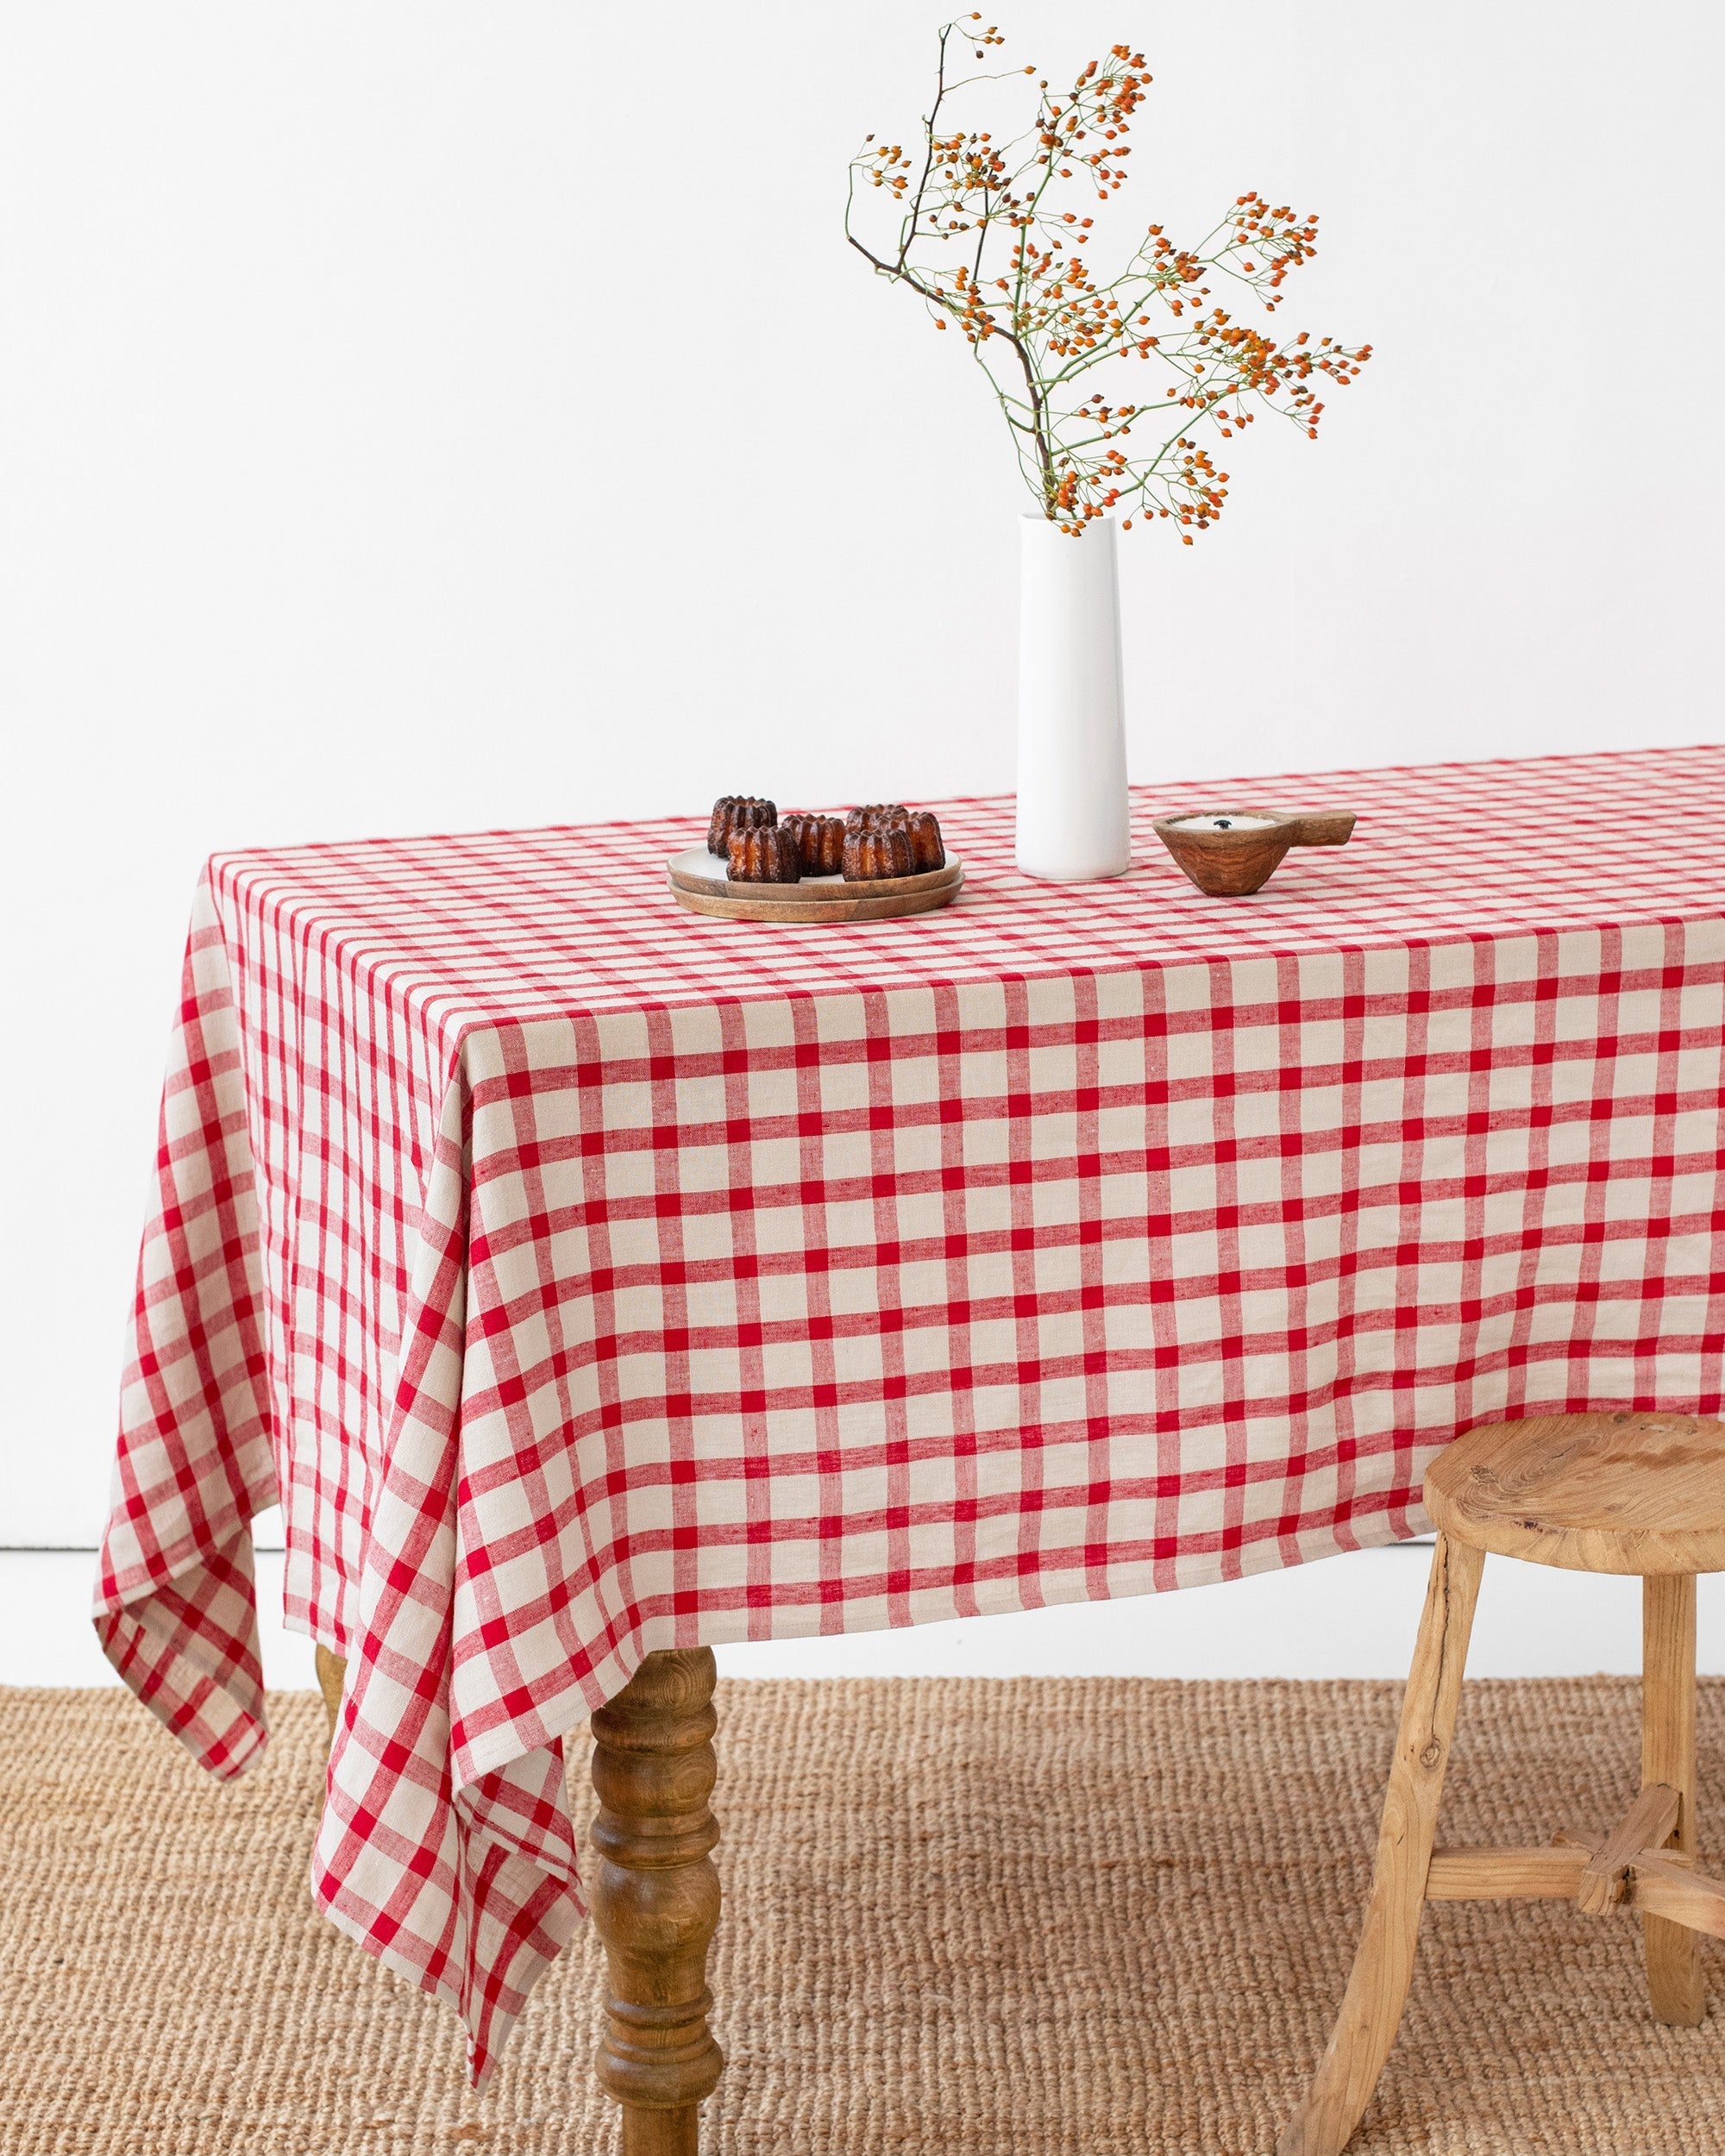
[1601,1493]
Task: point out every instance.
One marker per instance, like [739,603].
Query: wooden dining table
[594,1283]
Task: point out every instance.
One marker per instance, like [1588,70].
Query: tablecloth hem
[224,1734]
[1397,1519]
[188,1647]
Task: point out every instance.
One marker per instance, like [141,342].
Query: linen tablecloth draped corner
[473,1873]
[176,1609]
[589,1278]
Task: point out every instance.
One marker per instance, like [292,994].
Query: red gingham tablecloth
[587,1277]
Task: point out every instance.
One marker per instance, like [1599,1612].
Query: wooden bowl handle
[1324,827]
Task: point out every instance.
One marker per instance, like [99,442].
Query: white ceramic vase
[1073,815]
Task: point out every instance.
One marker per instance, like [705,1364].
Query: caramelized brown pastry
[736,812]
[767,854]
[820,841]
[872,813]
[871,855]
[926,850]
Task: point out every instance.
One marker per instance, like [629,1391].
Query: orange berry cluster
[1025,298]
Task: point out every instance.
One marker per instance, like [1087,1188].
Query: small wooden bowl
[1232,852]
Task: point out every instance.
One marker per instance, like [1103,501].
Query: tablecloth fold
[175,1606]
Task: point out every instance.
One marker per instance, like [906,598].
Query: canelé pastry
[820,841]
[767,854]
[736,812]
[871,855]
[872,813]
[926,850]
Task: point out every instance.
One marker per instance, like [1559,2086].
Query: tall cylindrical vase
[1073,815]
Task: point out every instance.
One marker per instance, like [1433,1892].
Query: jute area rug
[963,1915]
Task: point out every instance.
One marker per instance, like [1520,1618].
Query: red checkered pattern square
[588,1277]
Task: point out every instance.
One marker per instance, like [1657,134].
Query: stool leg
[1674,1976]
[1384,1966]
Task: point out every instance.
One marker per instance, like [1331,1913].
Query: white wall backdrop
[426,416]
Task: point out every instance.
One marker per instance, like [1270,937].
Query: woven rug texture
[963,1915]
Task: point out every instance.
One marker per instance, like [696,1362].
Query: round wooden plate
[698,881]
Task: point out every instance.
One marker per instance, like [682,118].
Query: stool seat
[1617,1492]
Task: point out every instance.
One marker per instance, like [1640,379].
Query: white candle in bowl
[1224,822]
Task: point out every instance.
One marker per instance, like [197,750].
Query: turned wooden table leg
[655,1897]
[332,1674]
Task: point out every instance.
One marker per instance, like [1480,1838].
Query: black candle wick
[1224,824]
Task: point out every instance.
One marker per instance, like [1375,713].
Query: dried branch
[983,241]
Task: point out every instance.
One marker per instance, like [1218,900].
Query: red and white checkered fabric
[588,1277]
